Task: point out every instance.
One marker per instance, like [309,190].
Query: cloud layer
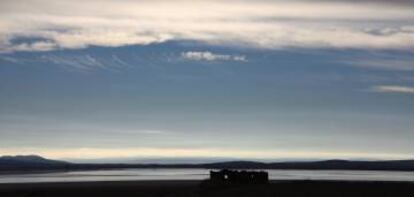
[394,89]
[209,56]
[100,153]
[39,25]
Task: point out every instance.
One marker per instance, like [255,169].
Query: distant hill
[33,163]
[29,159]
[238,165]
[403,165]
[29,162]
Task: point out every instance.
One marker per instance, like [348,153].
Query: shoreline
[41,171]
[193,188]
[191,182]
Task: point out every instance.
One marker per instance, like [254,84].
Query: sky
[263,79]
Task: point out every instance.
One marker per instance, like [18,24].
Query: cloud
[263,24]
[209,56]
[149,132]
[385,64]
[95,153]
[78,63]
[394,89]
[393,2]
[84,62]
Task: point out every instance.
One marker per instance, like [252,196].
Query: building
[236,176]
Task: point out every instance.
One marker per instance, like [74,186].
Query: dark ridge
[29,159]
[30,162]
[36,163]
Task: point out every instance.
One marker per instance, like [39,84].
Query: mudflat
[203,188]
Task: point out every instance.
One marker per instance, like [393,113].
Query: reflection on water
[199,174]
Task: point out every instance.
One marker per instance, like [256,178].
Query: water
[200,174]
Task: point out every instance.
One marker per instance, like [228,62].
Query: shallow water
[200,174]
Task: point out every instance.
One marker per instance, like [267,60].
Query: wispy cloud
[209,56]
[394,89]
[401,64]
[264,24]
[95,153]
[148,131]
[79,63]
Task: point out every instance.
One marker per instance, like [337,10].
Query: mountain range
[37,163]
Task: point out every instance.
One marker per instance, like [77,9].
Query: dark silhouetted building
[239,176]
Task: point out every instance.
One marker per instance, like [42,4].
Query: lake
[200,174]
